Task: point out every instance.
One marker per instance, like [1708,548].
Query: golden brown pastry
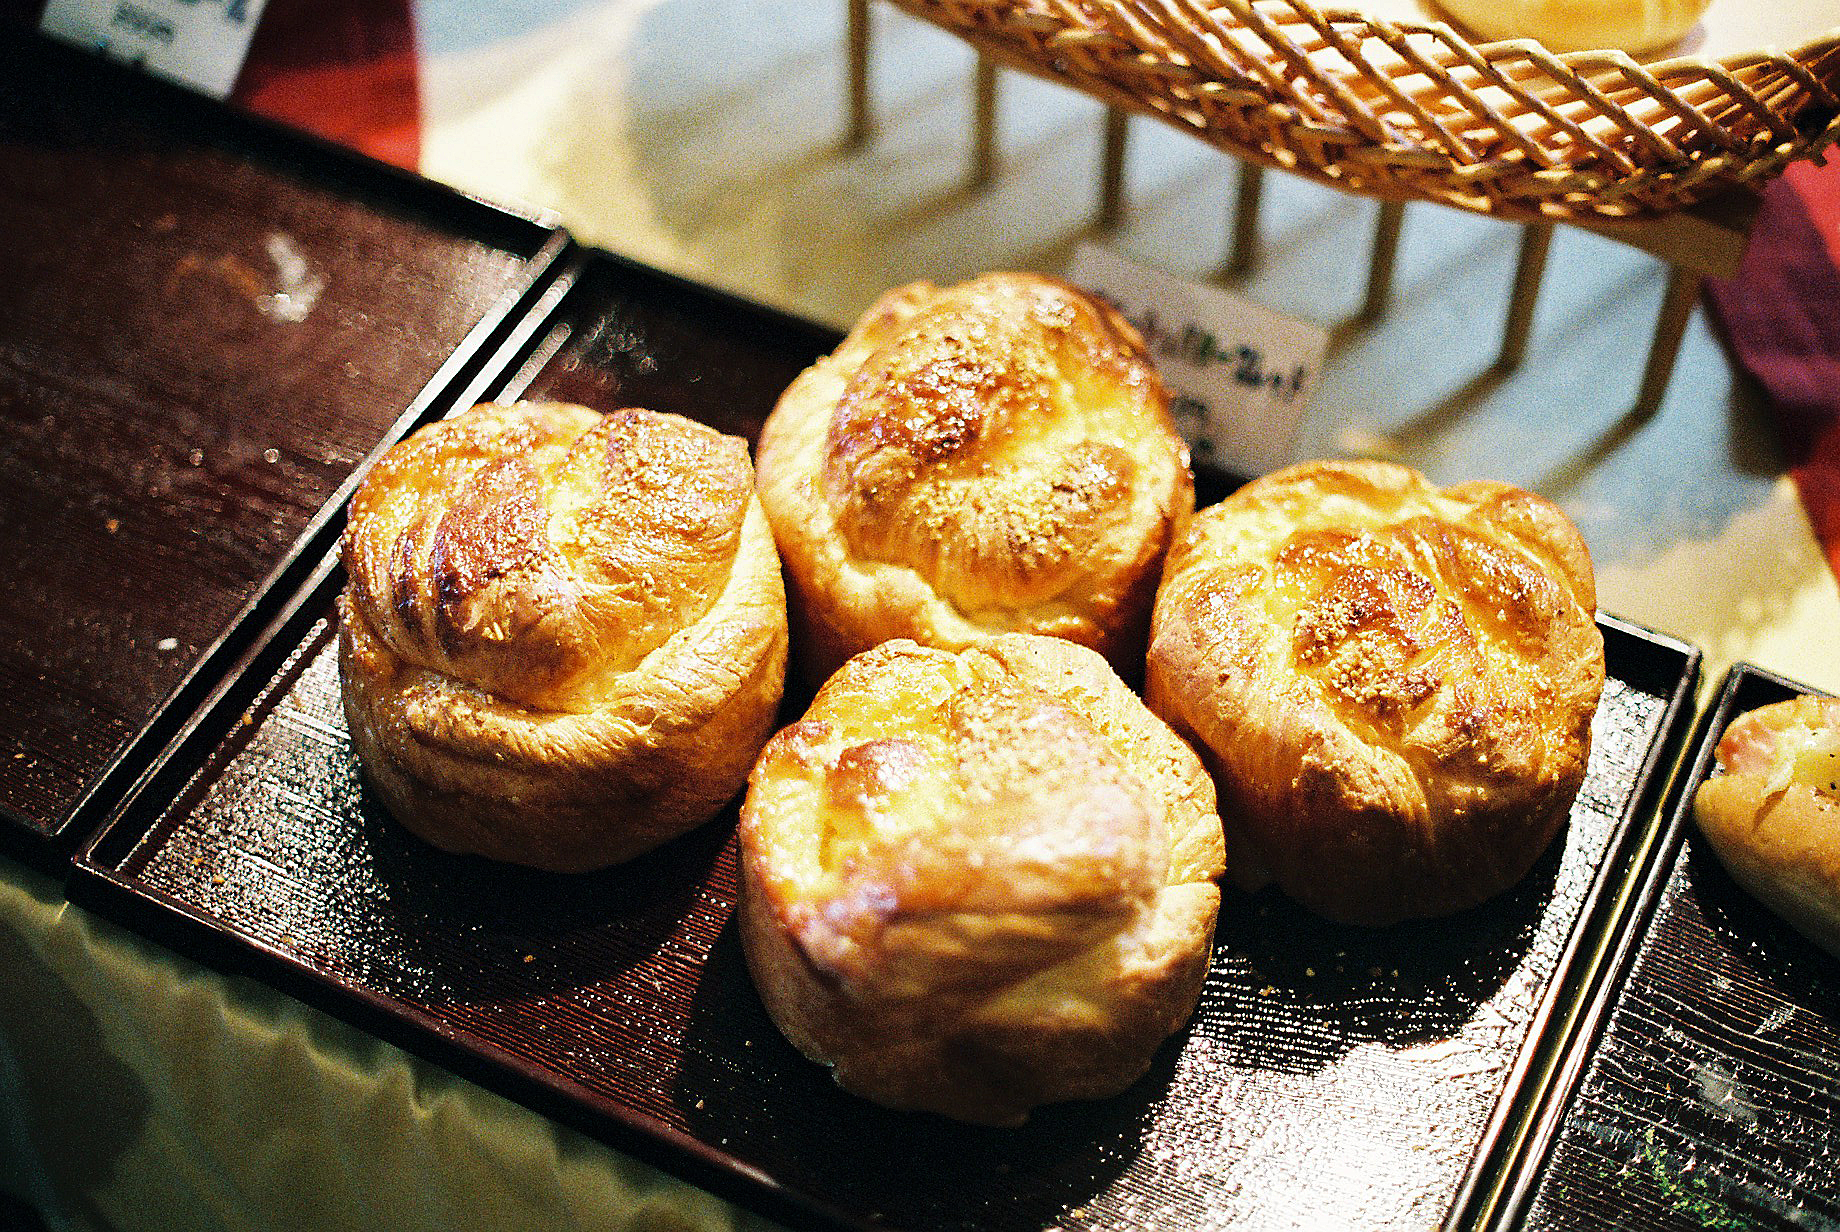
[1392,683]
[996,456]
[563,637]
[1581,25]
[977,882]
[1773,815]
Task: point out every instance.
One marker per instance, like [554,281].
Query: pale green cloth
[139,1089]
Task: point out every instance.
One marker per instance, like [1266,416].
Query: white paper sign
[199,43]
[1239,374]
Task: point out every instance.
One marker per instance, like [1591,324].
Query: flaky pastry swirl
[1392,683]
[994,456]
[563,634]
[977,882]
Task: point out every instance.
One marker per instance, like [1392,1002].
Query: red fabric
[1782,314]
[1819,189]
[344,69]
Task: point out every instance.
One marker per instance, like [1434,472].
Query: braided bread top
[994,456]
[1394,682]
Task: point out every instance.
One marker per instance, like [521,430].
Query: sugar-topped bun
[1772,815]
[1392,683]
[563,637]
[991,457]
[1581,25]
[977,882]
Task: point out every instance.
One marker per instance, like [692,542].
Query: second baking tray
[1331,1076]
[1705,1091]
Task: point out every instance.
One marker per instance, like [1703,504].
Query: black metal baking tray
[1331,1077]
[1704,1091]
[210,322]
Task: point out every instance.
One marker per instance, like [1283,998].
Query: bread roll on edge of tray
[1772,813]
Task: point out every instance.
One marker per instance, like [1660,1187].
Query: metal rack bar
[1682,293]
[1111,169]
[856,40]
[983,123]
[1536,242]
[1387,227]
[1247,201]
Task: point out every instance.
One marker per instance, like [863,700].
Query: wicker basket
[1411,110]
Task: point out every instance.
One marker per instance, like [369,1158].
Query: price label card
[199,43]
[1239,374]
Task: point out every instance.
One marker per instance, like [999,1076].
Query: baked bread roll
[977,882]
[1773,815]
[1392,683]
[1581,25]
[563,636]
[993,457]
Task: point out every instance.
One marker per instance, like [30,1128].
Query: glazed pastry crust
[563,635]
[1392,683]
[996,456]
[1581,25]
[1773,817]
[979,882]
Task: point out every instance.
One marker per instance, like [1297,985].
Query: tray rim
[287,611]
[98,884]
[1597,925]
[95,882]
[1611,979]
[533,235]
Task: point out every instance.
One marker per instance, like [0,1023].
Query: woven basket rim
[1412,109]
[1804,50]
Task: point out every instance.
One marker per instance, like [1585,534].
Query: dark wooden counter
[206,326]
